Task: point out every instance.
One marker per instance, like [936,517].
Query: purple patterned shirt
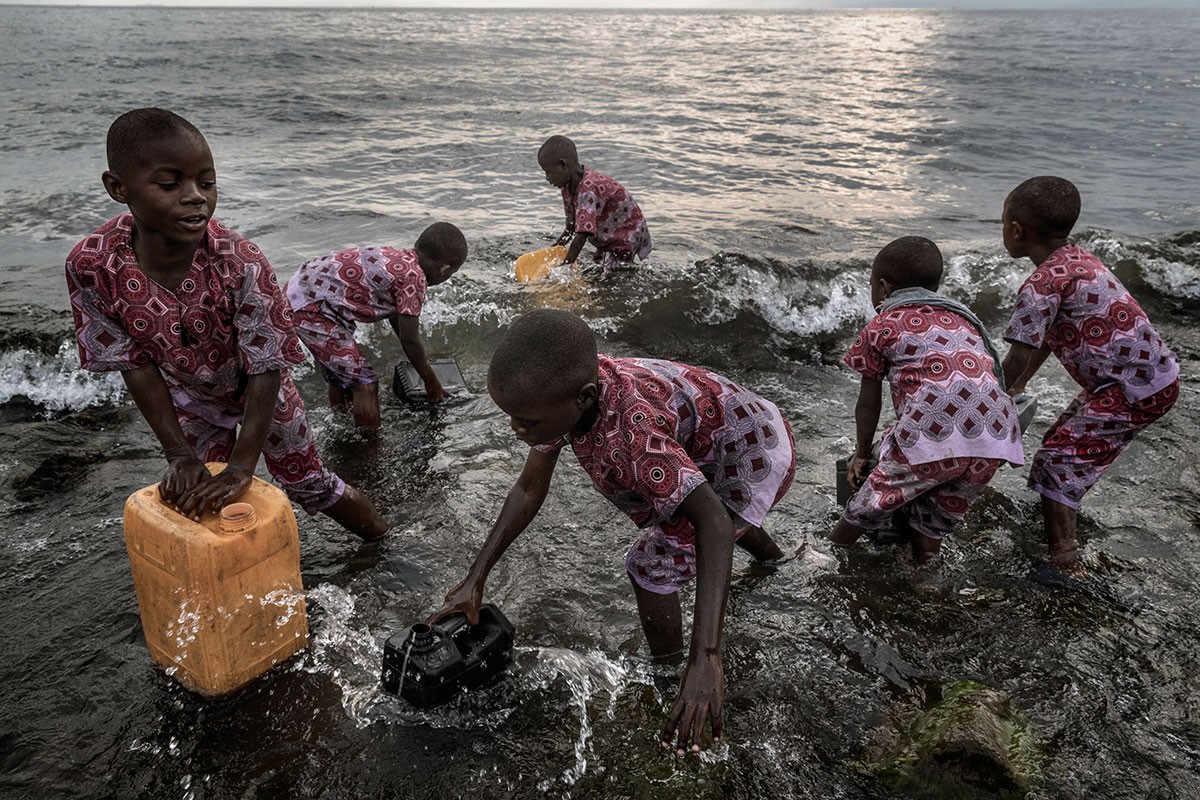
[604,209]
[364,284]
[1092,324]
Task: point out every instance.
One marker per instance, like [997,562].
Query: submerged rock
[969,744]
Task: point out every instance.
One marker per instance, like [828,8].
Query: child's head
[543,374]
[559,160]
[160,166]
[441,250]
[1041,211]
[906,262]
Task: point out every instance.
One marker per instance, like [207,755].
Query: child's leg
[339,398]
[845,534]
[960,482]
[1060,531]
[354,512]
[343,366]
[662,622]
[759,544]
[366,405]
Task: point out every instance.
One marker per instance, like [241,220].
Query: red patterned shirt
[364,284]
[227,318]
[1092,324]
[665,428]
[948,401]
[603,208]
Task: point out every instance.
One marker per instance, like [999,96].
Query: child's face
[170,188]
[558,171]
[437,270]
[537,421]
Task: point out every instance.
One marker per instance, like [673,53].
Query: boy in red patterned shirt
[693,459]
[192,316]
[598,208]
[330,294]
[1074,307]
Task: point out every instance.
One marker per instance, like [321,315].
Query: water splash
[56,383]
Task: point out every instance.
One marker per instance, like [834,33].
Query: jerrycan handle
[237,518]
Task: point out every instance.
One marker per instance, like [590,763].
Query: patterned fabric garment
[1093,325]
[944,389]
[935,495]
[331,293]
[603,208]
[665,428]
[1088,436]
[227,319]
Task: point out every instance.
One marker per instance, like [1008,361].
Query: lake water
[773,154]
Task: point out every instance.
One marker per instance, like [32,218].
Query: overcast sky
[637,4]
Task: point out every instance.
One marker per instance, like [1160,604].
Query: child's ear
[587,396]
[885,287]
[113,185]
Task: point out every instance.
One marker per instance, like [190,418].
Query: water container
[220,598]
[429,664]
[410,387]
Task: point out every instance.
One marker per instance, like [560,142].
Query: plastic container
[537,265]
[429,664]
[220,599]
[409,387]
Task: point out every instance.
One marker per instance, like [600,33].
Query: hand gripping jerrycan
[220,599]
[429,664]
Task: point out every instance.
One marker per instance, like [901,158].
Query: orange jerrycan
[537,265]
[220,599]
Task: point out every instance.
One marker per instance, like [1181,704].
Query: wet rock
[971,743]
[37,328]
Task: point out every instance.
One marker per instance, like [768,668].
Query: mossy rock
[969,744]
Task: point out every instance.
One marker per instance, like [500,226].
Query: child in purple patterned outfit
[693,459]
[1074,307]
[330,294]
[955,424]
[191,315]
[598,208]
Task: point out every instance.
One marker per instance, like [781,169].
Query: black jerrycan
[429,664]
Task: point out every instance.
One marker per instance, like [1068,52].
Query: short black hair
[557,147]
[443,241]
[545,352]
[1047,205]
[910,261]
[130,132]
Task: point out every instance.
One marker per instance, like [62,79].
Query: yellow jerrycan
[537,265]
[220,598]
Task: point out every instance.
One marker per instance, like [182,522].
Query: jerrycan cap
[237,518]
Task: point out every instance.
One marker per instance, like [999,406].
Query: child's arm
[568,231]
[1021,364]
[702,691]
[520,507]
[866,419]
[576,247]
[262,392]
[408,328]
[153,398]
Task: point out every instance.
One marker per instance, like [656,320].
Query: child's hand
[183,473]
[214,492]
[701,696]
[435,392]
[462,599]
[857,470]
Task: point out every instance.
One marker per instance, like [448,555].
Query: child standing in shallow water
[1074,307]
[191,314]
[955,425]
[693,459]
[598,208]
[330,294]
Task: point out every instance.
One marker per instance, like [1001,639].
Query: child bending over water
[192,316]
[330,294]
[955,424]
[1074,307]
[598,208]
[694,460]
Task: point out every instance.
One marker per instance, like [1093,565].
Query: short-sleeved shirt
[1092,324]
[362,284]
[227,319]
[665,428]
[948,401]
[603,208]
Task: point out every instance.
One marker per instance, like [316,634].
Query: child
[329,294]
[955,425]
[1074,307]
[693,459]
[192,316]
[598,208]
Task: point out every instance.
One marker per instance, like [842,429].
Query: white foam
[56,383]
